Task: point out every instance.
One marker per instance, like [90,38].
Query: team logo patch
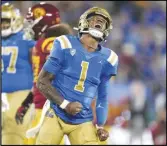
[49,114]
[38,12]
[72,52]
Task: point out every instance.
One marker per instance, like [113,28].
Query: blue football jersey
[78,74]
[16,67]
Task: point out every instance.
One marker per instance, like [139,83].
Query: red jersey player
[158,128]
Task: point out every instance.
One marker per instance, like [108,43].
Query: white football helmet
[11,20]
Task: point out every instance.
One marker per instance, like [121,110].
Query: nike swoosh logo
[99,106]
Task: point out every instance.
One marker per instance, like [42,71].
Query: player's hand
[20,114]
[73,108]
[102,134]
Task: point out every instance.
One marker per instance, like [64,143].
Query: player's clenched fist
[73,108]
[102,134]
[21,111]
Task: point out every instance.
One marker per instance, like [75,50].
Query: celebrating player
[77,70]
[43,17]
[17,77]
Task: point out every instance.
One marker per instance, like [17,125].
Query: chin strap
[6,33]
[93,32]
[75,28]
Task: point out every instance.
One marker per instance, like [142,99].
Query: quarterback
[78,69]
[17,77]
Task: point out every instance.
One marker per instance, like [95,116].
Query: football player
[43,18]
[17,77]
[78,69]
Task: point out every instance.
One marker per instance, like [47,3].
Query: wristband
[99,127]
[64,104]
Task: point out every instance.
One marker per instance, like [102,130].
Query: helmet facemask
[11,20]
[39,29]
[97,26]
[36,26]
[6,27]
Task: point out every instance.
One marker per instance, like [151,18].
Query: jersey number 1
[80,86]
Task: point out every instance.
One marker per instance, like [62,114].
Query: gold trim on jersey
[64,42]
[113,58]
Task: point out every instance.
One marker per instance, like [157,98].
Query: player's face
[97,22]
[5,24]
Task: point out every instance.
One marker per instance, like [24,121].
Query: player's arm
[44,85]
[102,109]
[102,103]
[48,74]
[110,70]
[22,110]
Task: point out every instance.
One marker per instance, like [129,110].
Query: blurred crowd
[138,92]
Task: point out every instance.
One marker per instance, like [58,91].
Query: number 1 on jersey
[80,86]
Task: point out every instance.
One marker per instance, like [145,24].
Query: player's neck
[89,42]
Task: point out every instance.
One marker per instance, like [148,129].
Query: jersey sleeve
[56,57]
[110,69]
[102,102]
[31,44]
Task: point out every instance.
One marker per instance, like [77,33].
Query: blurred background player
[43,18]
[130,127]
[123,132]
[158,127]
[77,69]
[17,77]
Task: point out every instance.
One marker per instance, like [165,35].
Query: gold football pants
[12,133]
[81,134]
[35,121]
